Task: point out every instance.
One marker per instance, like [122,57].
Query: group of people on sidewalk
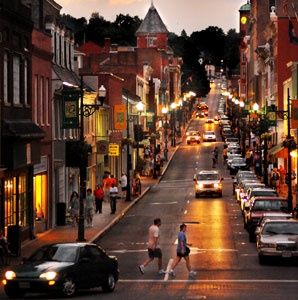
[110,190]
[154,250]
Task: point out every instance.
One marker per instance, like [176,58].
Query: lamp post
[164,111]
[140,108]
[173,116]
[128,156]
[86,110]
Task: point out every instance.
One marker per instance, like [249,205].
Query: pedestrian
[4,251]
[225,154]
[165,154]
[99,198]
[74,207]
[113,198]
[138,185]
[89,207]
[154,250]
[182,252]
[275,178]
[123,184]
[158,164]
[106,185]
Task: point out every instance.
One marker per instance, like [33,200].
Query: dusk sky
[191,15]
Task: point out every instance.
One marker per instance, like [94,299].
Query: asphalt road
[227,264]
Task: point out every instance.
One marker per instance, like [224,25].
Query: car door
[86,269]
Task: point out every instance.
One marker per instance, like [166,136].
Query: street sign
[70,108]
[114,150]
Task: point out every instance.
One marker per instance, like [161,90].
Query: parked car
[209,136]
[62,268]
[241,175]
[193,137]
[244,186]
[237,163]
[277,238]
[257,207]
[208,182]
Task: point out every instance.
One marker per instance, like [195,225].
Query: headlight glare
[48,275]
[9,275]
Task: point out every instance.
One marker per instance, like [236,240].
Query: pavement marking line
[127,251]
[294,281]
[185,212]
[163,203]
[166,278]
[188,201]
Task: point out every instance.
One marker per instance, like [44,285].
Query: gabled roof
[152,23]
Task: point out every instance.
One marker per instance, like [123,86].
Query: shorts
[124,188]
[185,254]
[154,253]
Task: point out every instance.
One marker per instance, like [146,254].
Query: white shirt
[153,234]
[113,191]
[123,180]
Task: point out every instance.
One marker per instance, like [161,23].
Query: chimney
[114,54]
[107,45]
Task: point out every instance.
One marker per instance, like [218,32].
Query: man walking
[123,183]
[99,198]
[113,198]
[154,250]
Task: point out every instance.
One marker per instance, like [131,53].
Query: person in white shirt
[123,184]
[154,250]
[113,197]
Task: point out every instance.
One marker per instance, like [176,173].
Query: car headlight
[216,185]
[48,275]
[9,275]
[200,185]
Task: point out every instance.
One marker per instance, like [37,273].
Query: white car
[192,137]
[208,182]
[209,136]
[277,238]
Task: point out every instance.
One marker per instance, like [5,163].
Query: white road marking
[185,212]
[127,251]
[163,203]
[294,281]
[168,269]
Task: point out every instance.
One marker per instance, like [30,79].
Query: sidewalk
[101,222]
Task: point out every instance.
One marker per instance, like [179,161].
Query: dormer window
[151,41]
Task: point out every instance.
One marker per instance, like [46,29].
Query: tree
[232,58]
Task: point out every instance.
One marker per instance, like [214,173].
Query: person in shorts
[154,250]
[182,252]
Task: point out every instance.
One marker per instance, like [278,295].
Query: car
[209,136]
[62,268]
[231,140]
[237,163]
[257,207]
[244,186]
[210,121]
[242,174]
[193,137]
[200,114]
[208,182]
[277,238]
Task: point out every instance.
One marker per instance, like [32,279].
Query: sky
[190,15]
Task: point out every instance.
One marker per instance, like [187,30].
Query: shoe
[142,269]
[172,273]
[192,273]
[162,272]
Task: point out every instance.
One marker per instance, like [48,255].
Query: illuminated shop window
[40,196]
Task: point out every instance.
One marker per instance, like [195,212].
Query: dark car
[62,268]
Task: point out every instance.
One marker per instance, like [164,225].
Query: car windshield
[281,228]
[270,205]
[263,193]
[208,177]
[55,253]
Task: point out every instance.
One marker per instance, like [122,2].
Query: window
[23,203]
[40,196]
[151,41]
[26,82]
[41,100]
[271,3]
[46,99]
[16,79]
[10,201]
[35,106]
[5,78]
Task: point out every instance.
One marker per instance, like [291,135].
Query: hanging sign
[70,108]
[120,116]
[294,114]
[114,150]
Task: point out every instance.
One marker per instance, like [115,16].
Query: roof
[22,128]
[152,23]
[245,7]
[66,75]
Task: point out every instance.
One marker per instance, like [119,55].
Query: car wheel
[110,284]
[69,287]
[252,236]
[197,195]
[14,293]
[220,194]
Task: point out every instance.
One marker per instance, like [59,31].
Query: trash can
[60,213]
[14,239]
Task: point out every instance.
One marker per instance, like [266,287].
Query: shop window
[23,203]
[10,202]
[40,196]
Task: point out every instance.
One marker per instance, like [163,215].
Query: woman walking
[74,206]
[182,252]
[89,207]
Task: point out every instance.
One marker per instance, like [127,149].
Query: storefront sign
[116,136]
[120,116]
[102,147]
[271,116]
[70,109]
[114,150]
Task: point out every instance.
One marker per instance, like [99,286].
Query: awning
[132,98]
[24,129]
[278,150]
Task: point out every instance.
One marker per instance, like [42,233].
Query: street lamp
[173,119]
[86,110]
[140,108]
[164,111]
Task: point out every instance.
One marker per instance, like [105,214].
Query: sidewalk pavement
[101,222]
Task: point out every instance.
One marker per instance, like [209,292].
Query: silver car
[277,238]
